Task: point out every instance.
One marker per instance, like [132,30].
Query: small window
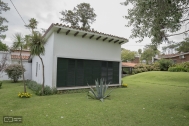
[182,56]
[36,68]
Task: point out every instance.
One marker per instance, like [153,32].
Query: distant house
[136,60]
[177,58]
[74,57]
[129,67]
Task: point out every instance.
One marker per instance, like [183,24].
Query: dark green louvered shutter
[71,73]
[116,72]
[96,70]
[104,70]
[62,72]
[110,73]
[88,72]
[79,73]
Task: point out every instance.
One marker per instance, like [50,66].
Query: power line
[18,13]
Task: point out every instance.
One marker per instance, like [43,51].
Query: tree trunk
[22,70]
[43,75]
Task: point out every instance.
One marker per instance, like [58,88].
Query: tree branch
[177,34]
[184,20]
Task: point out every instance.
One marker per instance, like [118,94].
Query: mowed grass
[152,98]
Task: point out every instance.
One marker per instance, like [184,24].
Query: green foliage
[183,46]
[156,18]
[37,44]
[3,47]
[127,55]
[177,69]
[81,14]
[149,52]
[37,48]
[3,7]
[139,51]
[37,88]
[24,95]
[164,64]
[32,24]
[14,71]
[180,67]
[1,83]
[101,88]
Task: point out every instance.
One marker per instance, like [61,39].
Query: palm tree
[32,24]
[37,49]
[18,44]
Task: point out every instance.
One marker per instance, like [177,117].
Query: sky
[109,18]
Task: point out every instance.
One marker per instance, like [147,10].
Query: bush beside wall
[34,86]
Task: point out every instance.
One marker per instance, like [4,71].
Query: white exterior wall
[69,46]
[27,66]
[48,63]
[36,77]
[3,75]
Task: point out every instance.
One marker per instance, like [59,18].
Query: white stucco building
[74,57]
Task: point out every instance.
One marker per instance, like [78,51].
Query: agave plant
[101,88]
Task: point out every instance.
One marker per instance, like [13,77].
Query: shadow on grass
[186,108]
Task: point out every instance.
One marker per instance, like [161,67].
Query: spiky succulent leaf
[93,92]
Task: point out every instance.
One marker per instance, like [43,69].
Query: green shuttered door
[79,72]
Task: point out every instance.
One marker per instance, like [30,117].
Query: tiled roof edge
[81,29]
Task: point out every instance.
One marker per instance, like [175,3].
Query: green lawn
[152,98]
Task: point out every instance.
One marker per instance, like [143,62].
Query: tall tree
[182,46]
[157,19]
[18,44]
[3,28]
[82,14]
[127,55]
[32,24]
[3,47]
[37,49]
[140,51]
[149,52]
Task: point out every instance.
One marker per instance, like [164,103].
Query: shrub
[148,67]
[37,88]
[24,95]
[177,69]
[133,72]
[1,83]
[180,67]
[164,64]
[139,70]
[14,71]
[101,88]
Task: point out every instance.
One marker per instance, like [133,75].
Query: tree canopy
[3,47]
[157,19]
[127,55]
[82,15]
[182,46]
[32,24]
[3,28]
[149,52]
